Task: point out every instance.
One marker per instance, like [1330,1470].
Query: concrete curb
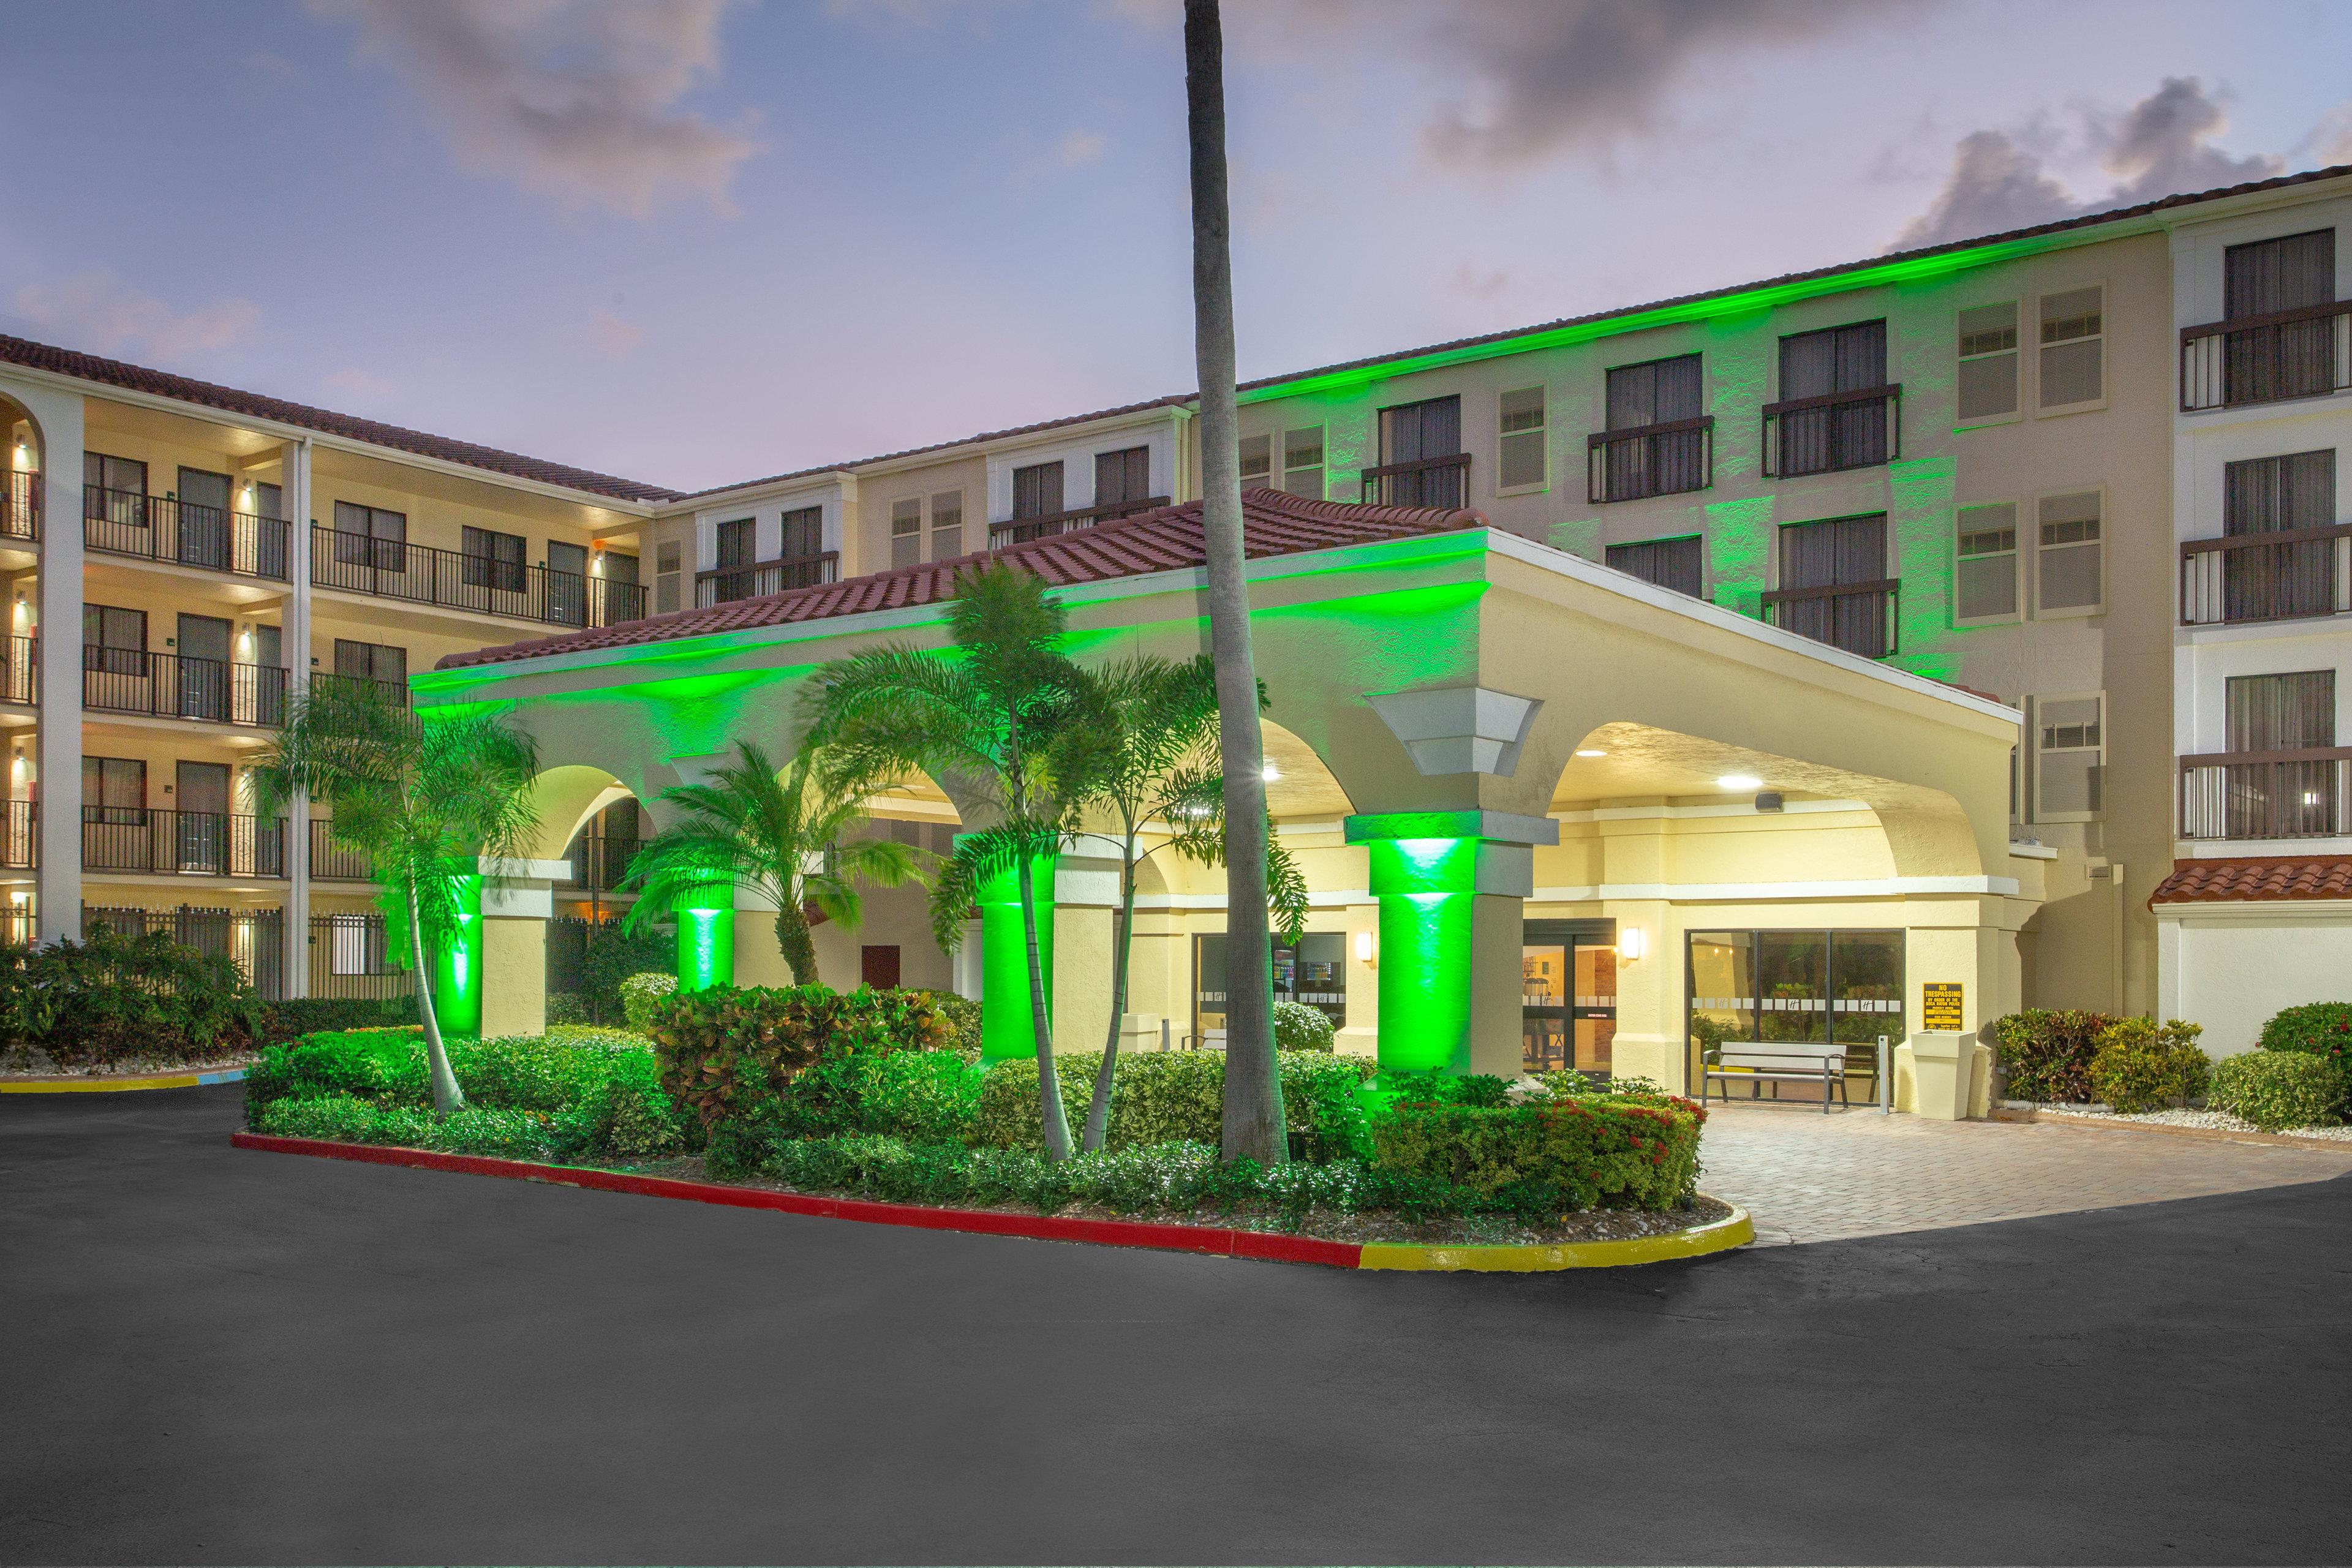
[196,1080]
[1735,1230]
[2210,1134]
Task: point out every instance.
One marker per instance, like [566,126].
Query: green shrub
[962,1015]
[1571,1083]
[2046,1055]
[1547,1155]
[923,1096]
[2278,1090]
[611,953]
[1298,1027]
[370,1063]
[108,997]
[2321,1029]
[641,994]
[624,1116]
[300,1015]
[2141,1066]
[1169,1097]
[728,1052]
[506,1134]
[567,1007]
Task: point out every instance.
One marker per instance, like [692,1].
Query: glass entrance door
[1568,977]
[1314,973]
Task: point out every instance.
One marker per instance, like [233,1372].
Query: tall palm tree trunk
[1098,1111]
[798,947]
[1254,1121]
[1049,1084]
[447,1095]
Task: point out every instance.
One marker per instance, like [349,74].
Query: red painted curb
[1209,1240]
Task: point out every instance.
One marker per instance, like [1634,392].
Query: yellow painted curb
[1735,1229]
[120,1085]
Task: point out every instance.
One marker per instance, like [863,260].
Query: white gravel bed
[2217,1120]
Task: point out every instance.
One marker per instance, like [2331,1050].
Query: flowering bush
[728,1052]
[2322,1029]
[2143,1066]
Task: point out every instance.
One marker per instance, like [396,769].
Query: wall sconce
[23,454]
[1631,944]
[1269,773]
[1363,947]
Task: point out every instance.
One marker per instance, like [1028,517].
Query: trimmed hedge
[1177,1097]
[1298,1027]
[2279,1089]
[2321,1029]
[1548,1153]
[2140,1065]
[347,1119]
[111,997]
[2046,1054]
[642,993]
[300,1015]
[728,1052]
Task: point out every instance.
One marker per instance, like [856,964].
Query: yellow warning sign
[1939,1005]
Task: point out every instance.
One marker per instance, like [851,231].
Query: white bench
[1755,1064]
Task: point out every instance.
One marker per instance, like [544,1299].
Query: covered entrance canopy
[1472,731]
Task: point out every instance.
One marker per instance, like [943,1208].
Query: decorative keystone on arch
[1459,728]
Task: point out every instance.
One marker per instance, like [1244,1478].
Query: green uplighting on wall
[457,965]
[706,938]
[1007,1025]
[1427,890]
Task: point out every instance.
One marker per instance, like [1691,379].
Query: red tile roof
[2263,880]
[161,384]
[1169,539]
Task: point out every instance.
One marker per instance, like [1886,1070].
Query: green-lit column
[705,937]
[1450,887]
[1007,1026]
[458,964]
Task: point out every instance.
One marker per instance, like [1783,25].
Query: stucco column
[1086,898]
[759,958]
[1360,1037]
[58,749]
[1452,888]
[705,937]
[517,901]
[294,646]
[1653,1027]
[1006,1025]
[457,965]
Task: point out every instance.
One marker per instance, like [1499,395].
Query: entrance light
[1737,781]
[1632,943]
[1363,947]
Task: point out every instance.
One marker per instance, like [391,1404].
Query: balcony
[392,692]
[20,839]
[447,579]
[1423,481]
[1650,460]
[1859,617]
[2304,794]
[2303,352]
[20,671]
[158,527]
[599,862]
[1834,432]
[333,862]
[168,685]
[2289,575]
[20,512]
[1021,530]
[727,584]
[181,843]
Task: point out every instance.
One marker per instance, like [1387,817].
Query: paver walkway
[1809,1177]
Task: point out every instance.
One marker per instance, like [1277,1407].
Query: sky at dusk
[696,241]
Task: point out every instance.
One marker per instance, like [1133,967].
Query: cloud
[574,99]
[1080,148]
[2160,146]
[96,310]
[1472,284]
[2330,141]
[614,336]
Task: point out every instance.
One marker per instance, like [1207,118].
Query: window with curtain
[1848,359]
[492,560]
[114,641]
[1419,432]
[2278,495]
[371,661]
[113,789]
[1836,554]
[1656,392]
[1123,478]
[371,536]
[1676,563]
[2284,359]
[2289,797]
[738,543]
[1037,490]
[803,532]
[115,490]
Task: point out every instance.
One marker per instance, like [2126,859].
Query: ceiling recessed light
[1737,781]
[1591,751]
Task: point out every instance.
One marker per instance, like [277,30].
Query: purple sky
[694,241]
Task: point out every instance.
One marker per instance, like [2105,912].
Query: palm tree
[426,799]
[1009,725]
[1254,1124]
[1161,767]
[778,832]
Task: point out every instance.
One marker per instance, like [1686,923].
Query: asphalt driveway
[217,1356]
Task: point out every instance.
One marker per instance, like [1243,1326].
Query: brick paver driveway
[1809,1177]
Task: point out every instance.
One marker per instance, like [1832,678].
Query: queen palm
[781,833]
[424,799]
[1009,725]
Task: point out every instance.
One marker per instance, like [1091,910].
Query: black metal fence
[20,510]
[253,940]
[423,574]
[334,862]
[20,674]
[351,959]
[183,843]
[174,686]
[158,527]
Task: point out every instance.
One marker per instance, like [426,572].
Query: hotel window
[1985,579]
[371,536]
[2277,495]
[803,533]
[115,641]
[1634,457]
[2069,752]
[2067,574]
[1037,490]
[668,561]
[947,525]
[1676,563]
[1258,461]
[1519,464]
[906,531]
[1421,443]
[113,790]
[2286,359]
[1834,585]
[1122,481]
[2074,348]
[491,560]
[380,662]
[738,543]
[2282,797]
[1836,409]
[1988,362]
[1302,462]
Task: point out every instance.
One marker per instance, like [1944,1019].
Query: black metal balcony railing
[1859,617]
[20,839]
[1423,481]
[171,686]
[391,691]
[158,527]
[2305,794]
[1836,430]
[424,574]
[20,671]
[2303,352]
[599,861]
[1021,530]
[1650,460]
[188,843]
[20,512]
[727,584]
[331,861]
[350,957]
[2287,574]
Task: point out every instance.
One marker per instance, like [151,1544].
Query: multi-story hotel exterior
[2086,471]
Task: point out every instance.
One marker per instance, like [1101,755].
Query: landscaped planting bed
[2086,1066]
[813,1091]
